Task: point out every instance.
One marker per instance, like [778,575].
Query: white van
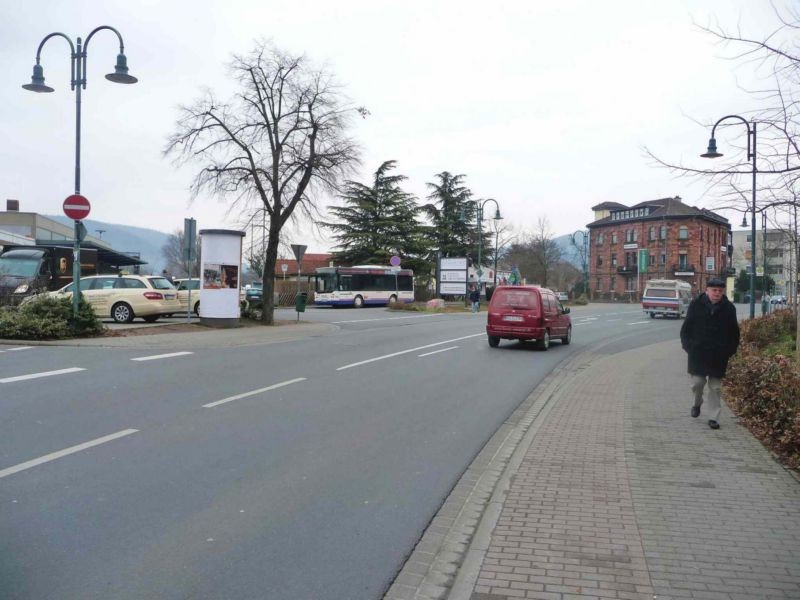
[666,297]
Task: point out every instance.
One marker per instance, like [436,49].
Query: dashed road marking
[66,452]
[437,351]
[160,356]
[42,374]
[253,393]
[17,349]
[383,319]
[393,354]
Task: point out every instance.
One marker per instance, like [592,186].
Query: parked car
[183,286]
[527,313]
[254,294]
[126,297]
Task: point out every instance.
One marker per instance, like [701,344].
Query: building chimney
[12,205]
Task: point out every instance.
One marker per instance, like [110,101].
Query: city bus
[361,285]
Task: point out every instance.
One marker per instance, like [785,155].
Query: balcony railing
[627,269]
[683,269]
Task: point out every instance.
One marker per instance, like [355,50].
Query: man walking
[475,298]
[710,335]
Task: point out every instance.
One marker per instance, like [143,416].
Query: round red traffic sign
[77,207]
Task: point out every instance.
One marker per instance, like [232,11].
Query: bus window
[405,283]
[345,283]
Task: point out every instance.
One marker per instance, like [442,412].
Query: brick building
[656,239]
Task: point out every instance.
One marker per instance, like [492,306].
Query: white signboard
[453,275]
[709,263]
[453,288]
[453,264]
[630,246]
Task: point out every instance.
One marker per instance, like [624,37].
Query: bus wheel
[392,300]
[358,302]
[652,315]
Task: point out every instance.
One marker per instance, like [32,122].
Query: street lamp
[78,54]
[751,155]
[479,221]
[764,306]
[584,256]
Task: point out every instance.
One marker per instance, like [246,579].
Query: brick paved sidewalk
[622,494]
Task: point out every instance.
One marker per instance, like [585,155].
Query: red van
[528,313]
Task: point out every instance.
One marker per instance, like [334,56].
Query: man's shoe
[713,424]
[695,411]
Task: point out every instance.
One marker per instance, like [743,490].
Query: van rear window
[520,299]
[660,293]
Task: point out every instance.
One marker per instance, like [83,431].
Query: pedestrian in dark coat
[710,335]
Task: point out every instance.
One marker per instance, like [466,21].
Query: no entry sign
[76,207]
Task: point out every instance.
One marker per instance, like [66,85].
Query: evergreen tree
[377,222]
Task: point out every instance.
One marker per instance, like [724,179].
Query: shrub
[49,318]
[582,300]
[762,384]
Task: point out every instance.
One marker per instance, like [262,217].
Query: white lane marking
[20,348]
[253,393]
[612,320]
[67,451]
[383,319]
[588,318]
[369,360]
[42,374]
[159,356]
[437,351]
[638,322]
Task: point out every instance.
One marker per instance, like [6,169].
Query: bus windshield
[326,282]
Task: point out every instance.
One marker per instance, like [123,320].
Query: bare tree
[546,252]
[175,258]
[276,145]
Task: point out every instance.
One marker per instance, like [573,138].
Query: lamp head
[120,74]
[744,221]
[497,216]
[712,149]
[37,81]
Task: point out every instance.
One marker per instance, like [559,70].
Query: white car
[125,297]
[562,296]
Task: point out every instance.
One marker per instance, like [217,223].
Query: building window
[651,260]
[599,239]
[683,262]
[683,233]
[652,234]
[599,261]
[662,260]
[749,238]
[599,285]
[710,264]
[614,238]
[613,260]
[630,284]
[774,269]
[663,235]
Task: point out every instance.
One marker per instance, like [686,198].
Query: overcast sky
[544,106]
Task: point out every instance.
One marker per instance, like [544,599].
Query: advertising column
[220,266]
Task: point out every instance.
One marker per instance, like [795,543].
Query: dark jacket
[475,296]
[710,334]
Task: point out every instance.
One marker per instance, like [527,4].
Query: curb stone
[462,527]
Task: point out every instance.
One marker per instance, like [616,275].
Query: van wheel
[494,341]
[544,343]
[567,338]
[358,302]
[122,313]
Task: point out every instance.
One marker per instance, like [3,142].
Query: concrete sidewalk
[612,490]
[175,335]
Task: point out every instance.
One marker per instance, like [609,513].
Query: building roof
[311,262]
[608,205]
[659,209]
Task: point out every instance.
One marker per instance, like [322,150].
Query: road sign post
[77,207]
[190,255]
[299,250]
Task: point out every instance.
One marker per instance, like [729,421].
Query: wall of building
[702,254]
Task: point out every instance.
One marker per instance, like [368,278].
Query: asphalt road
[300,470]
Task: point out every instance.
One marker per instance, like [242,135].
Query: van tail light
[153,296]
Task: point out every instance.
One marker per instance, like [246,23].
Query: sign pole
[76,270]
[76,207]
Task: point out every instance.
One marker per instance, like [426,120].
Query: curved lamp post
[584,256]
[751,155]
[78,54]
[479,224]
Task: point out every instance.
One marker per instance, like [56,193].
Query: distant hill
[124,238]
[568,252]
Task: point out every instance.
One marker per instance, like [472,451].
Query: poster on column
[218,277]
